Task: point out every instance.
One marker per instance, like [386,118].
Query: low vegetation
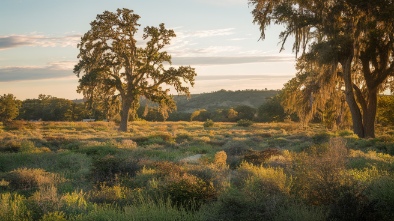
[259,171]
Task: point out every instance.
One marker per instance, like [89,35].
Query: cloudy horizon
[38,44]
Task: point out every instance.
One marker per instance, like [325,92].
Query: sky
[38,44]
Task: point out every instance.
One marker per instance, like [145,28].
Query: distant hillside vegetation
[223,99]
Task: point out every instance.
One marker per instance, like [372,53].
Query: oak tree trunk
[358,127]
[124,114]
[369,114]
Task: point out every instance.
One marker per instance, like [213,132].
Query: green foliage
[126,71]
[188,191]
[260,157]
[245,112]
[223,99]
[298,211]
[54,216]
[200,115]
[9,107]
[381,193]
[14,207]
[158,210]
[271,110]
[108,168]
[346,37]
[48,108]
[385,110]
[320,174]
[231,115]
[209,123]
[32,179]
[244,123]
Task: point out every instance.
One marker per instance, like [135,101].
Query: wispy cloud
[224,2]
[193,43]
[13,41]
[53,70]
[209,33]
[229,60]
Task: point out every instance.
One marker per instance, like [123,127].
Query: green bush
[14,207]
[145,208]
[351,204]
[244,123]
[31,179]
[108,169]
[381,192]
[54,216]
[320,174]
[188,191]
[115,195]
[209,123]
[297,211]
[235,205]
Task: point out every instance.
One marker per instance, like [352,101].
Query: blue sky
[38,41]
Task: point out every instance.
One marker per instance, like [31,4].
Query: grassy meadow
[193,171]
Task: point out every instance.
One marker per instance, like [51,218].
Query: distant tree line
[270,111]
[48,108]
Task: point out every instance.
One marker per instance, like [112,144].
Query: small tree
[111,64]
[271,110]
[245,112]
[9,107]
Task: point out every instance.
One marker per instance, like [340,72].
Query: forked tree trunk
[358,127]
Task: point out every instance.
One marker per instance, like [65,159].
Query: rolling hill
[223,99]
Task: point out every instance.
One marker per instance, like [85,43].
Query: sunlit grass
[91,171]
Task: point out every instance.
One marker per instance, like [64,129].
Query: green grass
[91,171]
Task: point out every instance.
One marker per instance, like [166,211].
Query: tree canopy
[113,66]
[345,49]
[9,107]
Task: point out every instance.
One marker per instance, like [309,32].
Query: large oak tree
[112,65]
[347,40]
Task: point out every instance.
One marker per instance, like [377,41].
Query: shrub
[15,125]
[259,179]
[381,191]
[188,191]
[54,216]
[208,123]
[145,208]
[74,203]
[321,138]
[260,157]
[297,211]
[235,205]
[244,123]
[104,213]
[235,148]
[183,137]
[14,207]
[10,145]
[109,168]
[45,200]
[32,179]
[351,204]
[117,195]
[220,159]
[128,144]
[320,175]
